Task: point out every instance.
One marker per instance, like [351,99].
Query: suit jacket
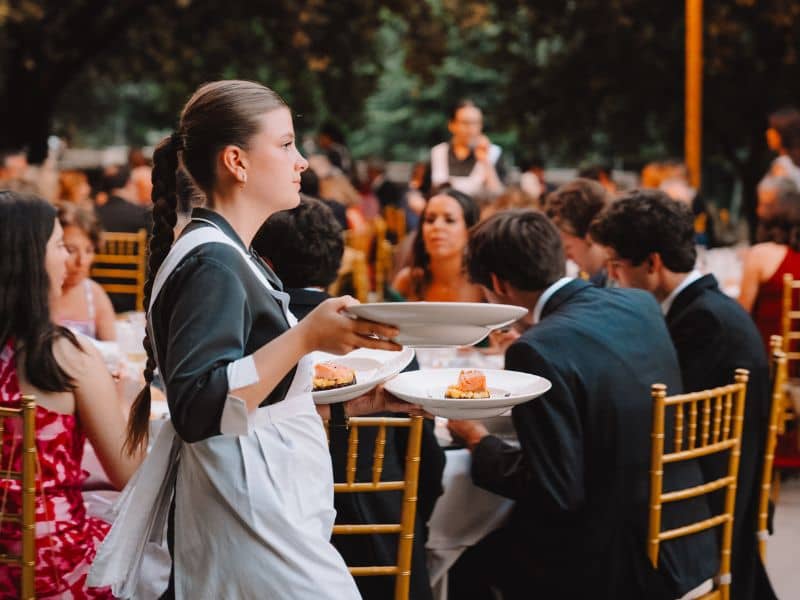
[714,336]
[581,475]
[117,214]
[385,506]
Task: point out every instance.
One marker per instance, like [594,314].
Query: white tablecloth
[464,514]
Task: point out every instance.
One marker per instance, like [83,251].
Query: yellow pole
[694,89]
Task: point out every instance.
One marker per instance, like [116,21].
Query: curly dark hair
[26,224]
[642,222]
[304,245]
[421,259]
[520,246]
[573,205]
[783,227]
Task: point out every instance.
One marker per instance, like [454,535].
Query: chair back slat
[378,454]
[717,417]
[692,425]
[678,427]
[26,519]
[726,424]
[352,455]
[405,528]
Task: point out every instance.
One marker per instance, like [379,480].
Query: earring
[242,176]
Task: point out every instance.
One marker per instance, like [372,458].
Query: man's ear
[654,263]
[499,286]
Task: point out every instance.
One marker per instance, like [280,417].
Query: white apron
[253,513]
[471,184]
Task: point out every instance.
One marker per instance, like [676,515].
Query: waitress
[243,467]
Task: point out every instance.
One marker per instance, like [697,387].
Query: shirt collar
[217,220]
[546,295]
[687,281]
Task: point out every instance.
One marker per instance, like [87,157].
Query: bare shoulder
[402,281]
[765,254]
[99,293]
[77,360]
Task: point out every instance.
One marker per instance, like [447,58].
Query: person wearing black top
[580,477]
[649,242]
[305,246]
[243,460]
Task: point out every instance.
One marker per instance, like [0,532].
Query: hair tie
[176,140]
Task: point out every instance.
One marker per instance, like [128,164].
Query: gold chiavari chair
[121,265]
[27,478]
[778,375]
[384,257]
[355,271]
[790,329]
[717,434]
[405,528]
[395,218]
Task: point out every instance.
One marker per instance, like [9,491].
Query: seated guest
[73,186]
[776,253]
[601,173]
[75,399]
[771,193]
[580,476]
[649,240]
[83,305]
[121,212]
[309,186]
[571,208]
[438,273]
[305,246]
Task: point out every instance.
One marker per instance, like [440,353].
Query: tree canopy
[566,81]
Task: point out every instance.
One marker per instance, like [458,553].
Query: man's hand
[470,432]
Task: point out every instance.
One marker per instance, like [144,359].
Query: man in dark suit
[580,474]
[305,247]
[120,212]
[649,243]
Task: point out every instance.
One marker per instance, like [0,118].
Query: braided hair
[218,114]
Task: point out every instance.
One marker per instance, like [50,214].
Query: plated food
[499,391]
[329,375]
[336,378]
[471,384]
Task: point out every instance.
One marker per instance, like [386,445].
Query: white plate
[506,389]
[439,324]
[372,368]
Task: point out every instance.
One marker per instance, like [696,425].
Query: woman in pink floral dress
[75,399]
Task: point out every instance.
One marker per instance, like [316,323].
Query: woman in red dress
[75,398]
[765,265]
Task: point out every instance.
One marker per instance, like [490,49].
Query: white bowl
[427,388]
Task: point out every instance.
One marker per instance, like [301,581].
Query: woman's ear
[233,161]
